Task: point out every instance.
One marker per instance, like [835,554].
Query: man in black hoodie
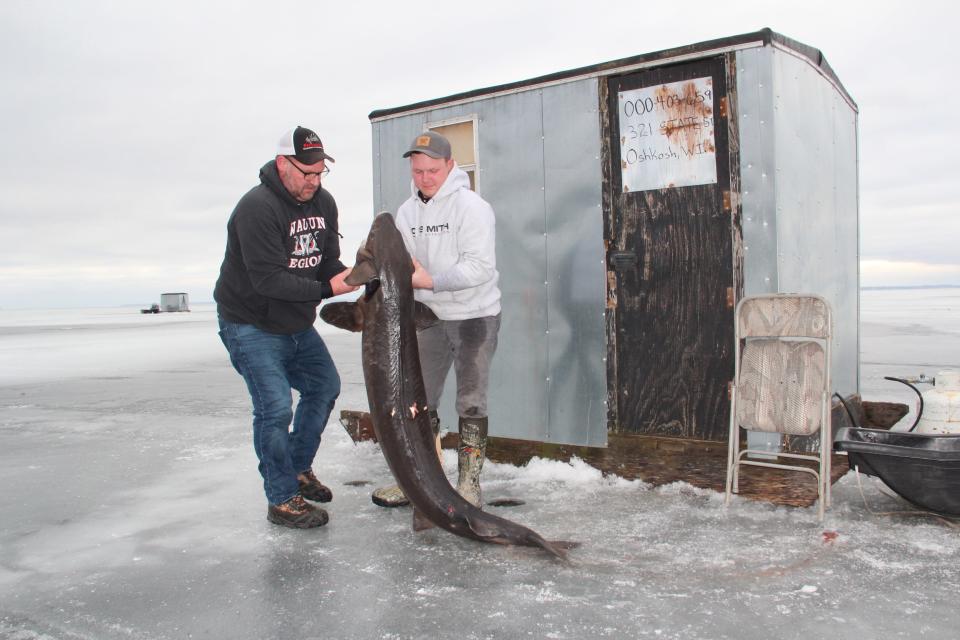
[282,259]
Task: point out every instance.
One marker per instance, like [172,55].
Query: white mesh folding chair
[781,383]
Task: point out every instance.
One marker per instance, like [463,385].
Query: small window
[462,134]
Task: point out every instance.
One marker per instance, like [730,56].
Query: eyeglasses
[309,174]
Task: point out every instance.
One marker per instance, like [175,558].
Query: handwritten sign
[666,136]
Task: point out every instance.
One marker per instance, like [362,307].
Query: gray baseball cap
[431,144]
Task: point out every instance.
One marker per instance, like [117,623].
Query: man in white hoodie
[449,231]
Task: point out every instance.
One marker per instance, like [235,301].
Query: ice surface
[132,509]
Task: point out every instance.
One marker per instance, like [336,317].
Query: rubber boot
[392,495]
[470,455]
[389,496]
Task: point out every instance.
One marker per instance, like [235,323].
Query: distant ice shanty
[637,201]
[174,302]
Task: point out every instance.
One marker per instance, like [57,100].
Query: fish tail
[557,548]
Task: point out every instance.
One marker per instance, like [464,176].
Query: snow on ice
[132,508]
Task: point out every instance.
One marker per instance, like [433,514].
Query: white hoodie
[453,237]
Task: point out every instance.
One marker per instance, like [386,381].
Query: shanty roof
[764,37]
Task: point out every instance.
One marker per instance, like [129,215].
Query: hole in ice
[505,502]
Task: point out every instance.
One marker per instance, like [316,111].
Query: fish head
[384,258]
[384,268]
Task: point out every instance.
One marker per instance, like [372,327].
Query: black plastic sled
[921,468]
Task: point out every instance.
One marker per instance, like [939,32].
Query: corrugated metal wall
[539,168]
[798,145]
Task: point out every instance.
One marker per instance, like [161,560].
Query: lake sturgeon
[388,316]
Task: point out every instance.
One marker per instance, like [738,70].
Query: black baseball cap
[303,145]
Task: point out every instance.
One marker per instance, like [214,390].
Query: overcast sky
[129,129]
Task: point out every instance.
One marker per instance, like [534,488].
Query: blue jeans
[272,364]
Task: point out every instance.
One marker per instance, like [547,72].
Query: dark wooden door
[671,268]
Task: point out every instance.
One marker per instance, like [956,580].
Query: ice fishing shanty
[178,301]
[637,201]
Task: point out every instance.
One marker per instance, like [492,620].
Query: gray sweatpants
[469,346]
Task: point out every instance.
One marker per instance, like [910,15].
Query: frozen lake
[131,508]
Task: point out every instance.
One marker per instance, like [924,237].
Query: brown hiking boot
[297,513]
[312,489]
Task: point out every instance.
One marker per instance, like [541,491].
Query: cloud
[907,273]
[130,129]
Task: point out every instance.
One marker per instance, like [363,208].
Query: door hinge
[727,202]
[729,297]
[723,106]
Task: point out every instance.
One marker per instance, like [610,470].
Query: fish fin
[557,548]
[423,316]
[420,521]
[343,315]
[484,529]
[364,270]
[564,544]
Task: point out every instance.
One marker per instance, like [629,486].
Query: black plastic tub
[921,468]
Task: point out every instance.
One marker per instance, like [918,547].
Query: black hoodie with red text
[280,257]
